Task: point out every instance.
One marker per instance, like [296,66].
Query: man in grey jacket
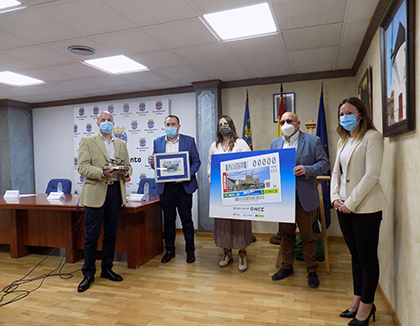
[311,161]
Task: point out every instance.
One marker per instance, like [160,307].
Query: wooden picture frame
[397,63]
[365,90]
[289,102]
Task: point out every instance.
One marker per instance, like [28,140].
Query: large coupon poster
[258,186]
[137,122]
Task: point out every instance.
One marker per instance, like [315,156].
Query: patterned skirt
[232,234]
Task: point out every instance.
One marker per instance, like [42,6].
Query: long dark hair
[365,122]
[232,136]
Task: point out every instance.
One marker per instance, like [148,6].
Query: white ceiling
[168,37]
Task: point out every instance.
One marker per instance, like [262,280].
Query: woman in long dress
[230,233]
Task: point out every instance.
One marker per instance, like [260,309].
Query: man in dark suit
[103,194]
[177,195]
[311,161]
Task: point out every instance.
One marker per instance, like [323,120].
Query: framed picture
[365,90]
[170,167]
[288,102]
[397,54]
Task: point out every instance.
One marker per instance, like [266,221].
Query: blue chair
[52,185]
[152,186]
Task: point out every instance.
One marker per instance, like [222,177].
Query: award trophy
[115,164]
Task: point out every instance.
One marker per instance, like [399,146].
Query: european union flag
[321,132]
[246,131]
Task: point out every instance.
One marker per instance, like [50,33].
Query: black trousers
[361,232]
[174,197]
[108,214]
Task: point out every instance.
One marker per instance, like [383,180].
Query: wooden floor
[184,294]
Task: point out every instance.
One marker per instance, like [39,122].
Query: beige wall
[399,247]
[307,104]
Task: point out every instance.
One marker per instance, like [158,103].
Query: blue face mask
[171,132]
[349,121]
[106,127]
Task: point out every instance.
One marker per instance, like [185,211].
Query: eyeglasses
[289,121]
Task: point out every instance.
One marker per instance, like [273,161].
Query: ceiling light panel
[118,64]
[242,23]
[10,5]
[14,79]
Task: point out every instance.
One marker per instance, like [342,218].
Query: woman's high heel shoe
[366,321]
[348,314]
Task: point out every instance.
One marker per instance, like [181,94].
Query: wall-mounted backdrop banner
[258,186]
[137,122]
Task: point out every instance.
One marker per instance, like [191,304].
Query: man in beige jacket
[103,195]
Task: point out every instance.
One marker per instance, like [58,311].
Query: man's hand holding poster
[257,185]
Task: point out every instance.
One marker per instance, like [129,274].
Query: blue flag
[321,132]
[246,131]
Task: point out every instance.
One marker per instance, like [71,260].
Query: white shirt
[171,146]
[110,151]
[344,158]
[240,146]
[293,141]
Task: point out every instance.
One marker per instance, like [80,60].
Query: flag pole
[277,238]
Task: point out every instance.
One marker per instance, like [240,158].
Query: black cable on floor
[13,288]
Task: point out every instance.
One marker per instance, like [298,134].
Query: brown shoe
[167,258]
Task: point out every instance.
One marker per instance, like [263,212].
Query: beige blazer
[364,193]
[92,156]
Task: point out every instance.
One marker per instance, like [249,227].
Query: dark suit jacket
[310,154]
[186,144]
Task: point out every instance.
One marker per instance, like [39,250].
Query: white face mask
[288,129]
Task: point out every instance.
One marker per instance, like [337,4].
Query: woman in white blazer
[359,200]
